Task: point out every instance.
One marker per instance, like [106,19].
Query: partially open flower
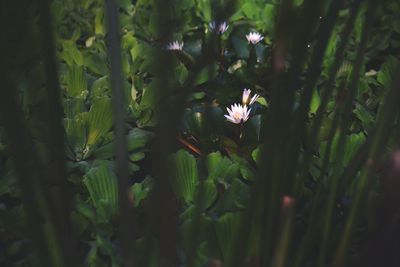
[238,113]
[246,97]
[218,28]
[254,37]
[175,45]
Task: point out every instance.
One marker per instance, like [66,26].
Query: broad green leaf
[367,117]
[206,74]
[136,156]
[227,228]
[75,129]
[136,139]
[204,8]
[353,142]
[217,166]
[208,190]
[246,170]
[184,175]
[102,185]
[100,87]
[386,73]
[96,63]
[71,53]
[256,155]
[73,107]
[262,101]
[99,120]
[76,82]
[241,45]
[140,191]
[233,198]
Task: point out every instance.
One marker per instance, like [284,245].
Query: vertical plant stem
[17,23]
[313,73]
[281,111]
[126,216]
[328,89]
[284,241]
[382,131]
[312,230]
[20,145]
[59,197]
[163,207]
[346,120]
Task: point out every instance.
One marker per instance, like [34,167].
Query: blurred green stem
[383,128]
[346,120]
[327,91]
[126,226]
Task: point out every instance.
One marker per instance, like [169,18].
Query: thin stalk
[284,240]
[383,129]
[59,197]
[355,165]
[328,90]
[311,232]
[282,111]
[339,155]
[126,232]
[200,201]
[15,23]
[21,147]
[313,74]
[163,210]
[267,193]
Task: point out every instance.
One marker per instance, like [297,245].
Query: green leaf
[99,23]
[262,101]
[96,63]
[240,45]
[151,96]
[71,53]
[256,155]
[387,71]
[227,228]
[100,87]
[219,168]
[206,74]
[247,171]
[209,192]
[73,107]
[102,185]
[315,102]
[268,15]
[136,139]
[251,11]
[100,120]
[136,156]
[184,175]
[141,190]
[366,116]
[76,82]
[353,142]
[75,129]
[234,198]
[204,8]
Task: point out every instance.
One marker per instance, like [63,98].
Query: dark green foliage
[114,150]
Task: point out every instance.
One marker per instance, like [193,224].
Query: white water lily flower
[254,99]
[246,97]
[175,45]
[254,37]
[238,113]
[219,28]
